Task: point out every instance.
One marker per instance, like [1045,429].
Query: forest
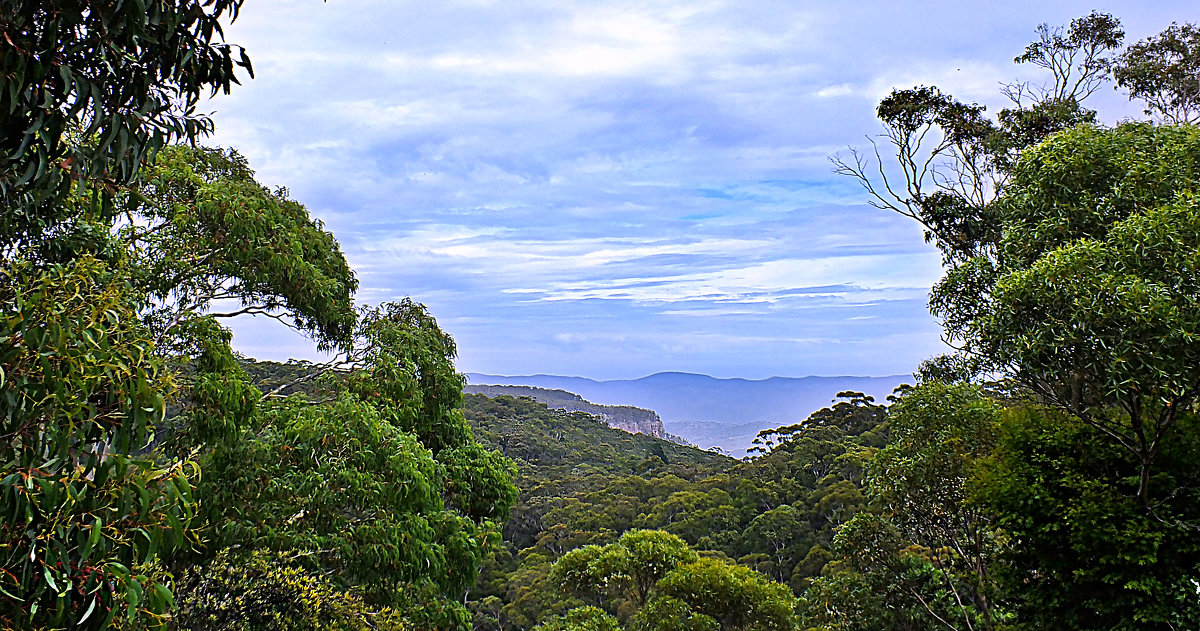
[1044,476]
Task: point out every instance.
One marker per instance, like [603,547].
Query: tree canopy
[93,91]
[1090,298]
[136,446]
[1164,72]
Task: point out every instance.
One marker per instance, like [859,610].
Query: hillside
[582,483]
[711,412]
[562,453]
[622,417]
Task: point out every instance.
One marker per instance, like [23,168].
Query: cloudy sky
[612,189]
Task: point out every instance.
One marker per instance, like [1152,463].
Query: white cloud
[761,283]
[833,91]
[577,169]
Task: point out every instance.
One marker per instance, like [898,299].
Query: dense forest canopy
[1045,476]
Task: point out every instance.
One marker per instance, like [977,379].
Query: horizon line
[678,372]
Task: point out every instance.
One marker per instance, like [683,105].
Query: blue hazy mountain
[707,411]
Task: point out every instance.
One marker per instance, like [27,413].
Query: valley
[706,411]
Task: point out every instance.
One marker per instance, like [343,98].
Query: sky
[612,189]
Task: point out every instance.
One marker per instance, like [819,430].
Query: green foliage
[933,136]
[660,584]
[736,597]
[407,370]
[1078,56]
[664,613]
[1088,556]
[81,390]
[209,231]
[581,619]
[953,161]
[575,469]
[584,483]
[91,91]
[873,582]
[922,482]
[364,500]
[1079,184]
[263,591]
[378,482]
[219,400]
[118,380]
[478,482]
[776,532]
[1025,127]
[938,433]
[89,94]
[1090,298]
[1018,517]
[380,486]
[1164,71]
[335,478]
[351,484]
[572,502]
[628,568]
[924,555]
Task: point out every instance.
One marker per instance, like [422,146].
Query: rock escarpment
[622,417]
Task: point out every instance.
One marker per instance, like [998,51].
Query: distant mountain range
[707,411]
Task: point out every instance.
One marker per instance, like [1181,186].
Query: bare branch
[334,365]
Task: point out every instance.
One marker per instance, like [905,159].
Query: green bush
[269,591]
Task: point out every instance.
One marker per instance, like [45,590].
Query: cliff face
[622,417]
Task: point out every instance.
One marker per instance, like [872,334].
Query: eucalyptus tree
[113,346]
[947,161]
[377,482]
[379,485]
[105,348]
[203,234]
[1063,241]
[1164,72]
[91,91]
[1082,552]
[81,515]
[88,93]
[922,481]
[1090,300]
[658,583]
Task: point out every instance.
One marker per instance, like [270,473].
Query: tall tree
[947,170]
[88,93]
[1091,298]
[1164,71]
[735,597]
[1049,281]
[663,585]
[203,230]
[949,161]
[1078,58]
[380,485]
[921,480]
[627,569]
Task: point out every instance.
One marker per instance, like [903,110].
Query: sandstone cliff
[623,417]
